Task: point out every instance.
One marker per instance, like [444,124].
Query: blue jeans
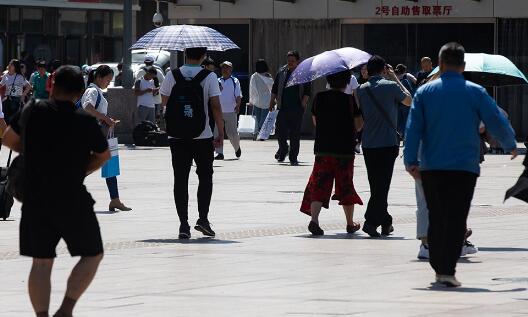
[111,183]
[260,115]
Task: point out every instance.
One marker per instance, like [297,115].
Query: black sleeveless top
[335,133]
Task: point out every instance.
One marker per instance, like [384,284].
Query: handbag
[111,167]
[247,123]
[384,113]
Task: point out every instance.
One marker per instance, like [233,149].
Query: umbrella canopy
[327,63]
[181,37]
[490,70]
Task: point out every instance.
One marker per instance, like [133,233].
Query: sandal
[353,228]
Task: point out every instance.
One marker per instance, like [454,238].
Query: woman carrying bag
[17,88]
[260,92]
[95,104]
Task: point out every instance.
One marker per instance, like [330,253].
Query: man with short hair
[427,67]
[199,149]
[379,99]
[56,203]
[38,81]
[209,64]
[230,100]
[443,150]
[292,103]
[145,91]
[158,79]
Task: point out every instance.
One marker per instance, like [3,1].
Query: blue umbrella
[490,70]
[181,37]
[327,63]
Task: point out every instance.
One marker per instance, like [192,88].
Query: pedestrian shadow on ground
[189,241]
[347,236]
[502,249]
[436,287]
[106,212]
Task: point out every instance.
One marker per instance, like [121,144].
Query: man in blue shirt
[443,126]
[379,99]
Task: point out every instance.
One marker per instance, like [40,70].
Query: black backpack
[185,115]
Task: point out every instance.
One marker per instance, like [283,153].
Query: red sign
[424,11]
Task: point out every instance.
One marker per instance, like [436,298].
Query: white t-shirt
[90,98]
[147,99]
[260,90]
[230,91]
[210,89]
[161,78]
[349,90]
[16,89]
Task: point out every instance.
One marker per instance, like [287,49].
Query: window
[100,22]
[117,24]
[14,20]
[72,22]
[32,20]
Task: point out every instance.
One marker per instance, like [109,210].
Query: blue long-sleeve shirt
[444,120]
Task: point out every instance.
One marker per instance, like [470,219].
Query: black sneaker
[294,163]
[219,157]
[280,158]
[387,230]
[185,232]
[204,227]
[371,231]
[238,153]
[315,229]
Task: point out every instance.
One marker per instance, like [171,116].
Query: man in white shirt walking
[145,90]
[230,100]
[158,79]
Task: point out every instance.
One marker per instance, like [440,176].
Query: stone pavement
[264,263]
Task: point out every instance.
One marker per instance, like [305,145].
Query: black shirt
[291,96]
[335,133]
[58,143]
[421,77]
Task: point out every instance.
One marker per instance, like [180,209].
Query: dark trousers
[288,125]
[448,195]
[183,154]
[380,165]
[10,107]
[111,183]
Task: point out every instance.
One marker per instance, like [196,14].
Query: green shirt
[39,85]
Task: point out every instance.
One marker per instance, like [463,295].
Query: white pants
[231,129]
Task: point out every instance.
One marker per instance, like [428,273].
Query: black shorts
[41,230]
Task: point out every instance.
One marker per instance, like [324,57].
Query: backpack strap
[201,76]
[177,74]
[234,86]
[380,109]
[98,100]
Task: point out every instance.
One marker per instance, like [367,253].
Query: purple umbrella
[327,63]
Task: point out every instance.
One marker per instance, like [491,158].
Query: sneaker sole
[204,231]
[184,236]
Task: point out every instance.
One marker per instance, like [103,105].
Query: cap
[41,64]
[226,63]
[149,59]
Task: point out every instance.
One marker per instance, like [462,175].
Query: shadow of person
[189,241]
[106,212]
[437,287]
[501,249]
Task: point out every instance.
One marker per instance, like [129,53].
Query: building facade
[73,31]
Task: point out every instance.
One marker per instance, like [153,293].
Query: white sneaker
[468,248]
[423,254]
[448,280]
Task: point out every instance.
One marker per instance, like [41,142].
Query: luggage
[185,114]
[247,125]
[149,134]
[6,200]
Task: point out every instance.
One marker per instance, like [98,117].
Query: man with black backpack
[186,93]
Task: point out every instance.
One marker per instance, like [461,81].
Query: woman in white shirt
[260,92]
[95,104]
[17,88]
